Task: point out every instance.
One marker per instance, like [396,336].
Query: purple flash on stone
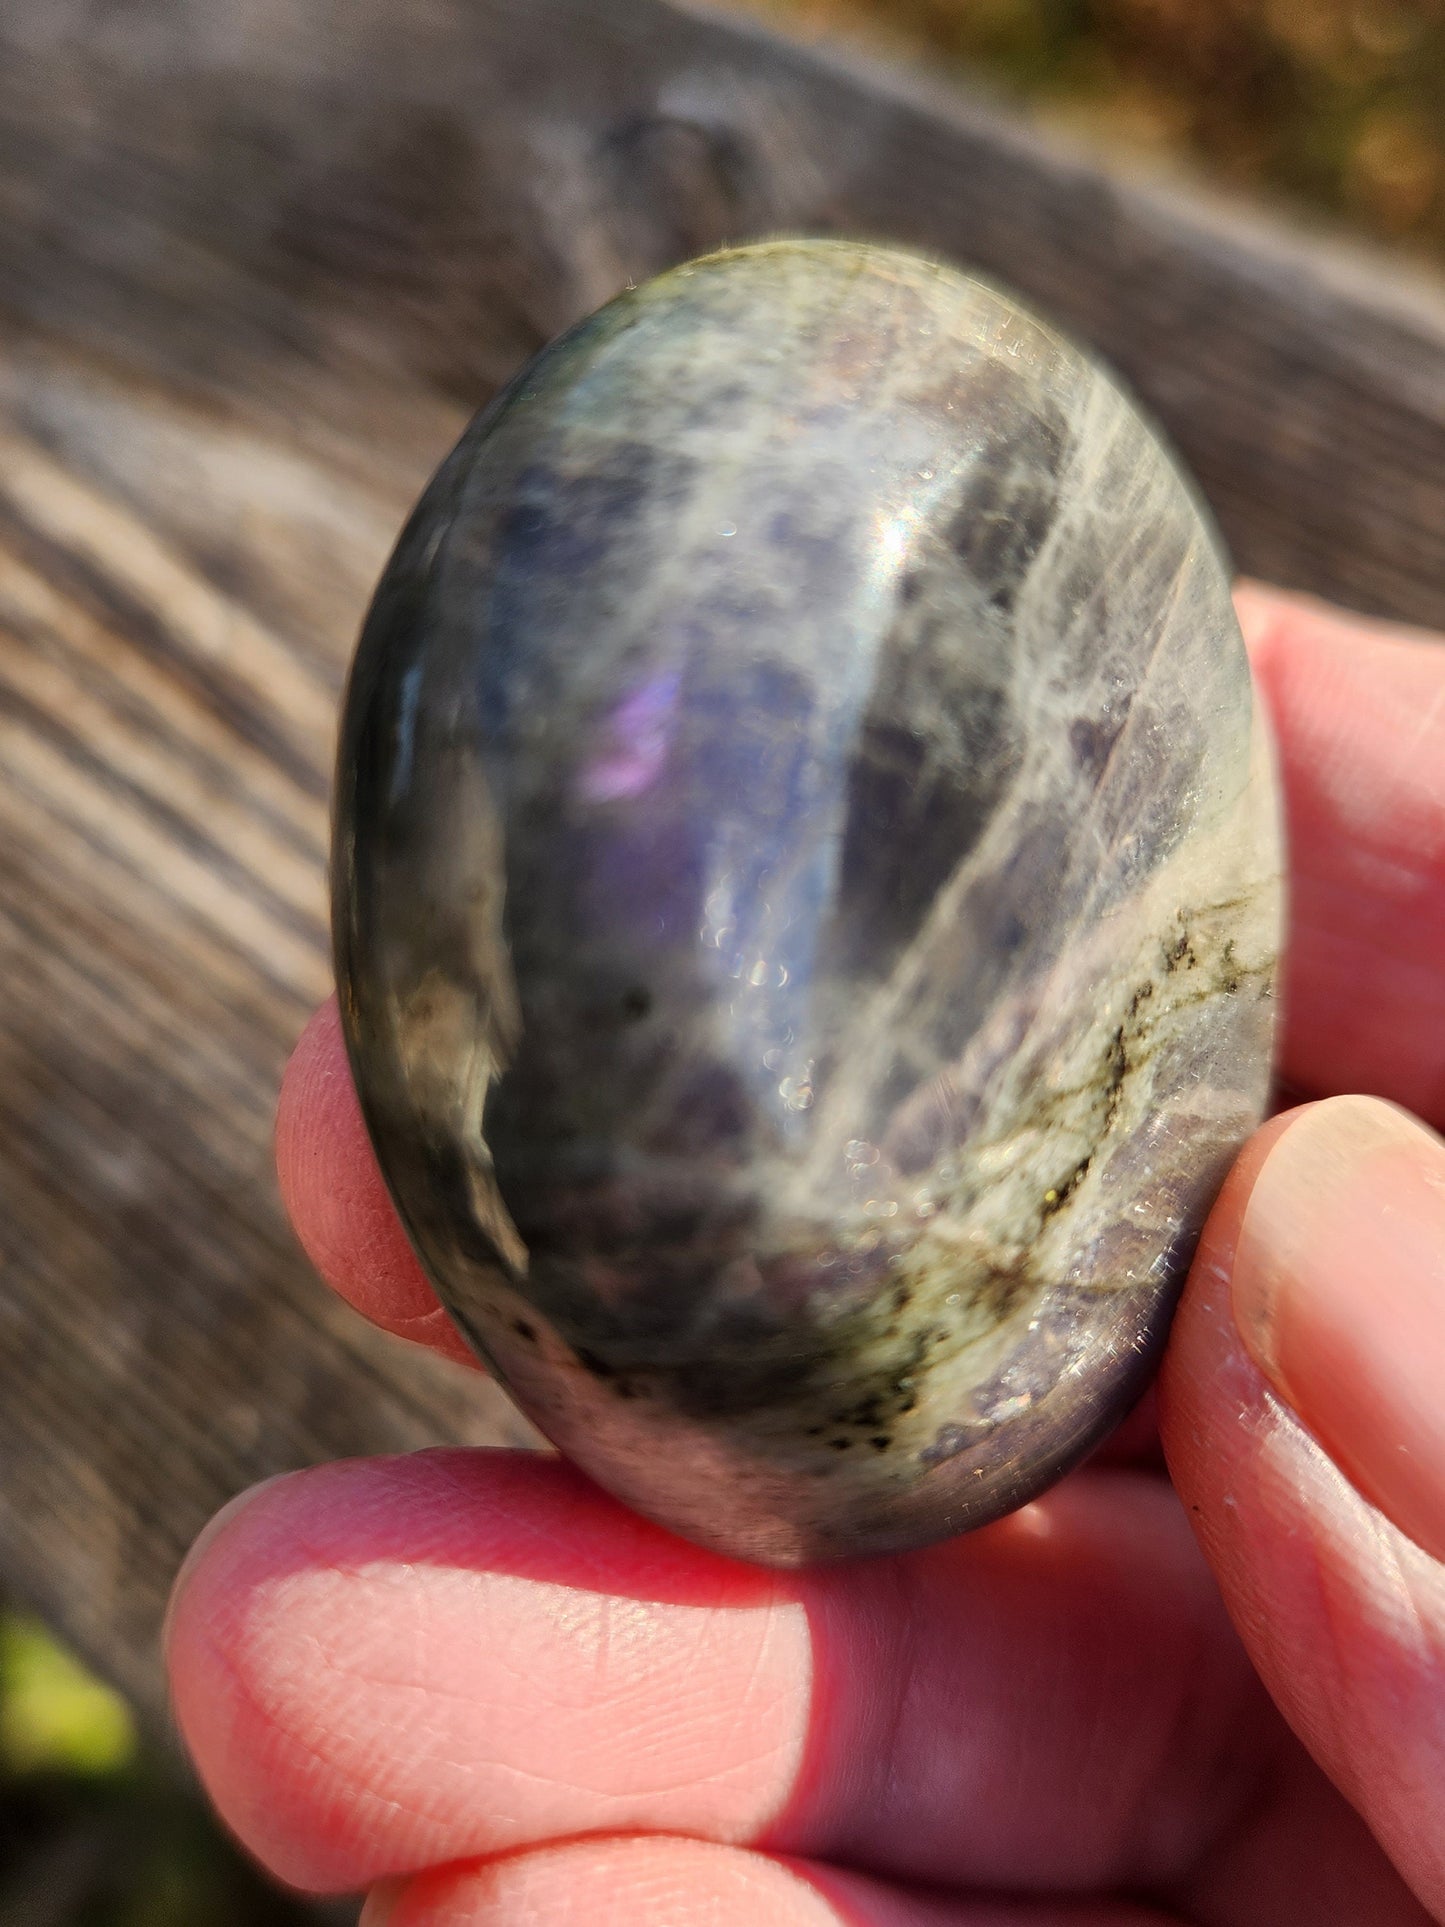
[633,745]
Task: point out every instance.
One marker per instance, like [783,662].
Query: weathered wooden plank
[241,194]
[163,763]
[256,264]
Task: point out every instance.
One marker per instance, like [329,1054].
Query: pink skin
[474,1684]
[1360,716]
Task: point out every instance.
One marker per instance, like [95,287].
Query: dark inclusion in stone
[807,896]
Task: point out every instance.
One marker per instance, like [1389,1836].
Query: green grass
[54,1718]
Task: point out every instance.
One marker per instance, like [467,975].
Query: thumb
[1302,1409]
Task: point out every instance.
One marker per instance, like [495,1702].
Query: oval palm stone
[807,896]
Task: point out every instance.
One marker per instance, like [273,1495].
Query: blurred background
[1333,105]
[1335,108]
[98,1829]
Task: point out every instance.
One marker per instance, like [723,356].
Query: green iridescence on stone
[807,896]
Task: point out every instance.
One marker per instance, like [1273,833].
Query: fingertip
[1298,1408]
[215,1530]
[1321,1277]
[384,1665]
[1337,1286]
[209,1624]
[337,1200]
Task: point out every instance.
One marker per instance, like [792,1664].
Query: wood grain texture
[163,773]
[257,263]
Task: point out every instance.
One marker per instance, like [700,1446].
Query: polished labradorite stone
[807,896]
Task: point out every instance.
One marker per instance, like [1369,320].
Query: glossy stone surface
[807,896]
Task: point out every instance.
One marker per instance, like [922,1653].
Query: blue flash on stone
[807,892]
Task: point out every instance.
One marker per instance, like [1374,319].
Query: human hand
[474,1684]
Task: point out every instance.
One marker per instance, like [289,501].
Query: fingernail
[1339,1294]
[204,1540]
[381,1904]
